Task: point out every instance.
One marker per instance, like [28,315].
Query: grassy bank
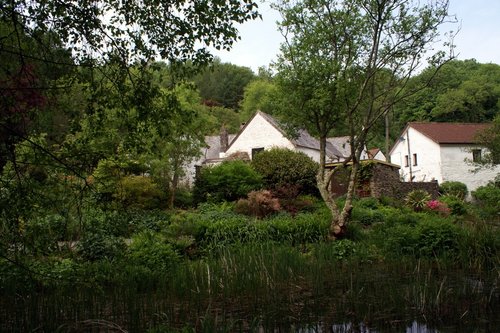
[215,269]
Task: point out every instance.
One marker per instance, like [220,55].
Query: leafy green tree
[490,138]
[222,84]
[104,38]
[461,91]
[345,65]
[172,152]
[259,95]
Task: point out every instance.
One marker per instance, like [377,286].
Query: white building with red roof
[442,152]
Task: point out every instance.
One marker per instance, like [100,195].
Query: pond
[363,299]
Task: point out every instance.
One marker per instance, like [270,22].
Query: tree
[259,95]
[490,138]
[345,64]
[462,91]
[104,37]
[222,84]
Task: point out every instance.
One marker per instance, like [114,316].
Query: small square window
[414,159]
[255,151]
[476,155]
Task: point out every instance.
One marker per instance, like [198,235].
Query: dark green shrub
[403,216]
[354,232]
[41,234]
[228,181]
[437,237]
[370,202]
[397,240]
[338,250]
[105,179]
[152,251]
[390,201]
[283,167]
[456,205]
[139,192]
[183,198]
[98,245]
[488,198]
[366,216]
[454,188]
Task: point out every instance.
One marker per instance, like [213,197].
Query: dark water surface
[363,300]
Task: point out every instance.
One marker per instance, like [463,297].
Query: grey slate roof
[341,143]
[304,139]
[212,149]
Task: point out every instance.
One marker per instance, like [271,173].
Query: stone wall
[385,181]
[404,188]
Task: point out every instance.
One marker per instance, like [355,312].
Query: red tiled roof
[450,132]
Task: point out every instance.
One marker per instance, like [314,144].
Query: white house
[263,132]
[442,152]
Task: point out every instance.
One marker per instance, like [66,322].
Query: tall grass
[268,286]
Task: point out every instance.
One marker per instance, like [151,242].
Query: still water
[363,300]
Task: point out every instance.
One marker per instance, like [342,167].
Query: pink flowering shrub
[439,207]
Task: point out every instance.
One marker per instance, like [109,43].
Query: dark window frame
[476,155]
[255,151]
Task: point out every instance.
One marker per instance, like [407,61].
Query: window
[414,159]
[256,151]
[407,161]
[476,155]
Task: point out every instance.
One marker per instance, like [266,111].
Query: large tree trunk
[340,217]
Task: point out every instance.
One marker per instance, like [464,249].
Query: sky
[478,38]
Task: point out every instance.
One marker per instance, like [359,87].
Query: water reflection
[415,327]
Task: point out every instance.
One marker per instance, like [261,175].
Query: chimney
[224,140]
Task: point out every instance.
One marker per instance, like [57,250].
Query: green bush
[366,216]
[152,251]
[453,188]
[437,237]
[283,167]
[488,198]
[183,198]
[399,216]
[432,236]
[369,202]
[455,204]
[105,179]
[98,245]
[41,234]
[228,181]
[338,250]
[139,192]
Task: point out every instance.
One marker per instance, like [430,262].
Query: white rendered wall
[312,153]
[456,166]
[428,166]
[259,133]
